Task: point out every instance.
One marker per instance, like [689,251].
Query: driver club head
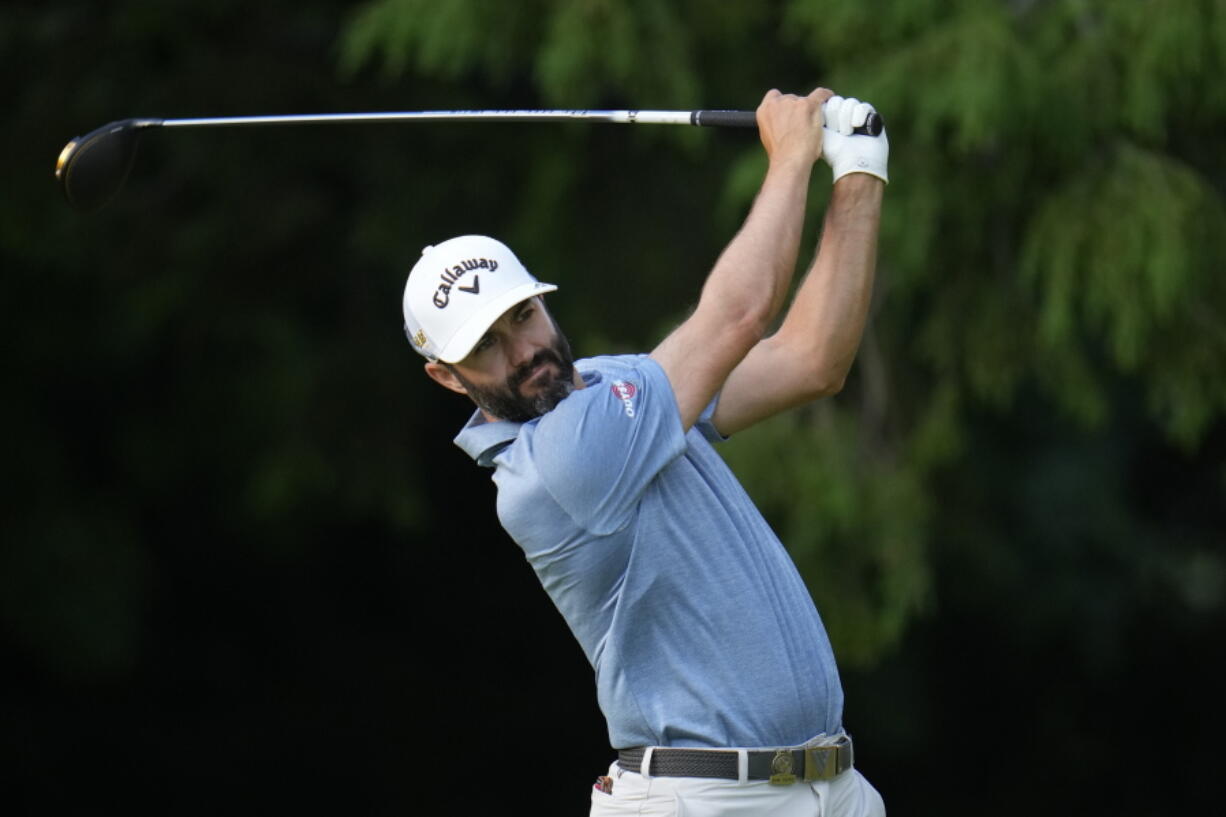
[92,168]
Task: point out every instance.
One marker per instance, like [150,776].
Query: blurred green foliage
[1055,223]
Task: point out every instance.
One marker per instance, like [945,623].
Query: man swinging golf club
[713,668]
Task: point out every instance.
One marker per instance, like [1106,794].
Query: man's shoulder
[597,451]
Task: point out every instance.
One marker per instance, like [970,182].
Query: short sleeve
[598,451]
[706,425]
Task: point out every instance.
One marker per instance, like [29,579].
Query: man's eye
[485,343]
[524,314]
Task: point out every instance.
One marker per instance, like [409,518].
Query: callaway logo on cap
[457,289]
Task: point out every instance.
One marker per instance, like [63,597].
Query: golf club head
[92,168]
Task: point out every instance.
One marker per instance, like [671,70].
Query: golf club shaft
[92,167]
[707,118]
[738,118]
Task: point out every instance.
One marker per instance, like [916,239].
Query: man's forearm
[751,277]
[826,319]
[754,272]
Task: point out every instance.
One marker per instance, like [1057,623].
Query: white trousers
[848,795]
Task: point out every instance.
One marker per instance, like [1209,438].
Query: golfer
[713,669]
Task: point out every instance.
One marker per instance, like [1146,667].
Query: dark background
[244,566]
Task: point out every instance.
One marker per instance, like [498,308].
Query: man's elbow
[739,321]
[747,328]
[826,386]
[809,367]
[824,380]
[831,386]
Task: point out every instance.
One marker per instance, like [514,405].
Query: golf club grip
[747,119]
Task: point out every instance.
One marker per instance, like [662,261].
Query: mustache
[516,379]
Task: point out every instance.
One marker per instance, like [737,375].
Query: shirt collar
[482,440]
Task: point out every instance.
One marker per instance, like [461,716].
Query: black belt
[780,766]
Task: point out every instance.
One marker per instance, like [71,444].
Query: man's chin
[547,395]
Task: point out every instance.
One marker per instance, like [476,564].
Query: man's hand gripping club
[790,127]
[846,151]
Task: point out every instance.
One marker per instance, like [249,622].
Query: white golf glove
[848,152]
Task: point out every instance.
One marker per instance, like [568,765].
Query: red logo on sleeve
[625,391]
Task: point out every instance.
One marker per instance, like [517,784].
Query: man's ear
[445,377]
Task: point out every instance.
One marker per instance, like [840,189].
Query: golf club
[92,168]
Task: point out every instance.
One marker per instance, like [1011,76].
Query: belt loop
[645,768]
[742,766]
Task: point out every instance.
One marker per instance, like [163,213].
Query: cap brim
[463,341]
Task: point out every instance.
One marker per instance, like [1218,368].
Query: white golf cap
[457,289]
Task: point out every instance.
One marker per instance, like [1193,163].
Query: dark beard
[507,403]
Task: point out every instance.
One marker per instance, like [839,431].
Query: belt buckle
[822,762]
[781,768]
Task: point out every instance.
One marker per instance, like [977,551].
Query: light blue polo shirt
[693,616]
